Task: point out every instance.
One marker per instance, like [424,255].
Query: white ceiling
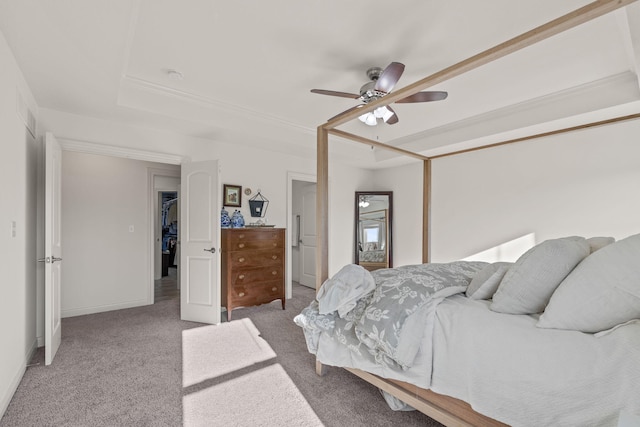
[248,66]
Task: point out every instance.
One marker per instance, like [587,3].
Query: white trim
[102,308]
[12,387]
[114,151]
[292,176]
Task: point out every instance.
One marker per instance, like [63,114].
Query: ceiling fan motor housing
[367,91]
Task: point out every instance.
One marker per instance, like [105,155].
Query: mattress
[507,368]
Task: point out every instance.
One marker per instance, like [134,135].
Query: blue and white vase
[237,220]
[225,219]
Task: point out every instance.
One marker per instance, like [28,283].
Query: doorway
[302,217]
[167,285]
[165,270]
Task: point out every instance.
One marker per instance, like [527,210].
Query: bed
[446,409]
[524,343]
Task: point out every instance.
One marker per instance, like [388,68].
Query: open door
[199,234]
[53,249]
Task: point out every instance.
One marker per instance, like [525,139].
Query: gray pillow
[596,243]
[486,282]
[528,285]
[602,292]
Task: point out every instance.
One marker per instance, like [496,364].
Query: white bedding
[508,369]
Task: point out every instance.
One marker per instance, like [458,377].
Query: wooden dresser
[252,269]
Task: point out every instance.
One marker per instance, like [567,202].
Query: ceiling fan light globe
[387,115]
[380,112]
[371,120]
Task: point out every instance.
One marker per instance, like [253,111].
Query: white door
[199,233]
[53,249]
[308,237]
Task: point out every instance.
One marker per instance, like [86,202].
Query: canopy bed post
[426,211]
[322,216]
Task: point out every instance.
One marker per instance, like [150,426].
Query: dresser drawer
[245,275]
[248,245]
[239,259]
[252,239]
[256,293]
[249,234]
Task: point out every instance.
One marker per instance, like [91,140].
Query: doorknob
[212,250]
[49,260]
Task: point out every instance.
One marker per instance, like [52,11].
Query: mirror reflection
[373,210]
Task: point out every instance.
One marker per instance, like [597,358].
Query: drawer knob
[241,245]
[274,272]
[241,294]
[240,259]
[274,256]
[241,276]
[275,244]
[240,236]
[274,288]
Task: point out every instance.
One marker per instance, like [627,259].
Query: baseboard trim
[102,308]
[31,351]
[10,391]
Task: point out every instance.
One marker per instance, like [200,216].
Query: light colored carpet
[239,382]
[145,367]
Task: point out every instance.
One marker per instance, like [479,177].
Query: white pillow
[596,243]
[342,292]
[530,282]
[486,281]
[602,292]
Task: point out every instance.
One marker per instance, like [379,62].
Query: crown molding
[207,103]
[124,152]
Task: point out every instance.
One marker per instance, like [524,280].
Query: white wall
[18,173]
[406,184]
[583,183]
[580,183]
[487,198]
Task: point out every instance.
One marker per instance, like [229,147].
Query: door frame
[152,208]
[134,154]
[293,176]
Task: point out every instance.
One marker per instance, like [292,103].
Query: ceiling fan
[380,84]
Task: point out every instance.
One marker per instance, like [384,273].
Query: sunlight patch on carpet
[265,397]
[212,351]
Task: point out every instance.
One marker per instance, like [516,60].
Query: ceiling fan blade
[345,111]
[389,77]
[393,119]
[424,97]
[335,93]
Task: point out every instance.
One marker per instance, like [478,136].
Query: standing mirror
[373,214]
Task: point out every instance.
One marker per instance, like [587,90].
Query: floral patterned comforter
[389,323]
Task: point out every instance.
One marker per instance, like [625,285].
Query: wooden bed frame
[445,409]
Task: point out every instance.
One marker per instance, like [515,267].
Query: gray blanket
[389,323]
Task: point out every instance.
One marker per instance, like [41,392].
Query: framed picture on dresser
[232,195]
